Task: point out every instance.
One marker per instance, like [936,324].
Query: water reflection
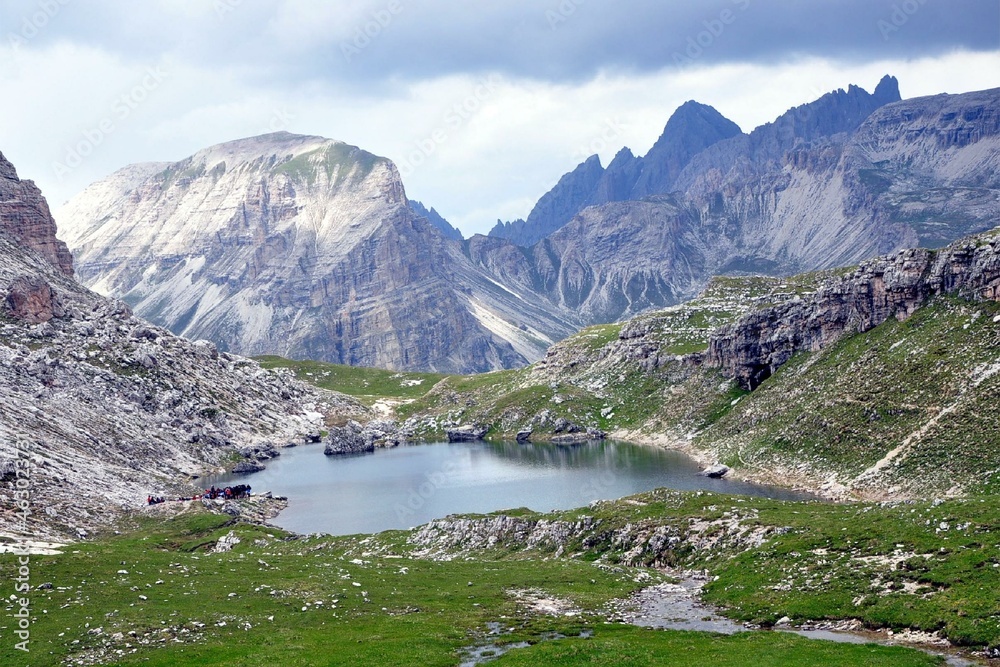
[407,486]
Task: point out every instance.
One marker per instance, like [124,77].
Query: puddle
[473,656]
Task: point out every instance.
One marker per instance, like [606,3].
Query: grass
[159,597]
[929,381]
[364,383]
[337,161]
[635,647]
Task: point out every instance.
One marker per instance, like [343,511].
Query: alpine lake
[407,486]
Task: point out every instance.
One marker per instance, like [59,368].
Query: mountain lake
[407,486]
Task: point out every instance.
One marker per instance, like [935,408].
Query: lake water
[408,486]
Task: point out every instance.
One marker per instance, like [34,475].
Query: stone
[31,299]
[466,433]
[524,435]
[716,471]
[247,467]
[348,439]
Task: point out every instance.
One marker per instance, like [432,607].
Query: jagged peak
[887,90]
[695,118]
[623,155]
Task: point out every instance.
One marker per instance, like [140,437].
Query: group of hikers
[238,491]
[213,493]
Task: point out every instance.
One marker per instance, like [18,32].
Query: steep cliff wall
[303,247]
[24,214]
[895,286]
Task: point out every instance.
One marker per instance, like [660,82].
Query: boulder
[260,451]
[31,299]
[466,433]
[348,439]
[247,467]
[716,471]
[524,435]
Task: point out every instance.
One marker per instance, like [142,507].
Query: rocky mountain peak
[887,90]
[573,192]
[24,214]
[300,246]
[692,128]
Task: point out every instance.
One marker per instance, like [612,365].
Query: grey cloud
[553,40]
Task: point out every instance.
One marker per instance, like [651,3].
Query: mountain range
[309,248]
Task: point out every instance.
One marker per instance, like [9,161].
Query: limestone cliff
[24,214]
[894,286]
[303,247]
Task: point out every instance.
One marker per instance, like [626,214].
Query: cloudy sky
[483,105]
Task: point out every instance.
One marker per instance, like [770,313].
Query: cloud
[567,78]
[375,43]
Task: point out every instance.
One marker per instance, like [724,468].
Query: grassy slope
[930,381]
[590,377]
[367,384]
[206,609]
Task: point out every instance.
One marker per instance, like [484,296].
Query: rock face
[24,214]
[31,300]
[894,286]
[691,129]
[572,193]
[303,247]
[850,176]
[467,433]
[106,408]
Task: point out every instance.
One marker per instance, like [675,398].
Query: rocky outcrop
[466,433]
[303,247]
[348,439]
[887,287]
[24,215]
[31,300]
[355,438]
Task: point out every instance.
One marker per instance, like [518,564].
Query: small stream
[678,607]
